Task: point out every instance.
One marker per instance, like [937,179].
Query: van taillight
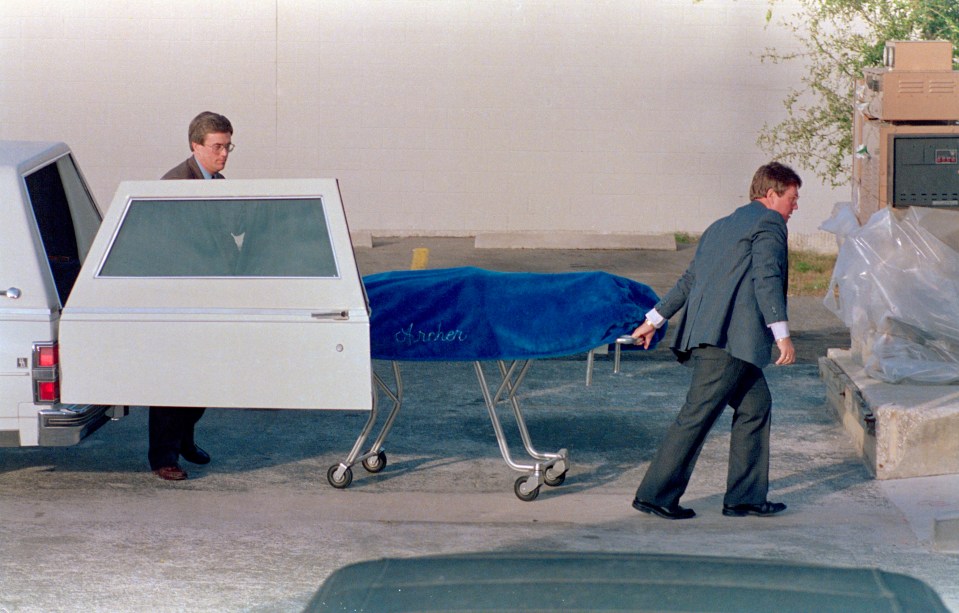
[48,391]
[48,355]
[46,372]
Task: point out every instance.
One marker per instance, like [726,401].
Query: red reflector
[48,391]
[48,355]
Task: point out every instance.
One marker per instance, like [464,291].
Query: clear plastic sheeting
[896,287]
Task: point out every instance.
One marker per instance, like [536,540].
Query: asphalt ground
[89,528]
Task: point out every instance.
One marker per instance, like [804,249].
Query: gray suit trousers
[718,380]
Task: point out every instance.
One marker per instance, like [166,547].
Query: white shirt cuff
[780,329]
[655,318]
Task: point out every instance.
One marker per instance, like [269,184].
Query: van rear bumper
[67,424]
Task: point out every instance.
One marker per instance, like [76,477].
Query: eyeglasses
[218,148]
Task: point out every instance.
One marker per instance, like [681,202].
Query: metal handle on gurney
[622,340]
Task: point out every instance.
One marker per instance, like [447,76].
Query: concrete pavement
[89,528]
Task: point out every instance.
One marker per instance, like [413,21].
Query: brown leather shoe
[171,473]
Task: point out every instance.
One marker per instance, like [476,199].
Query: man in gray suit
[734,292]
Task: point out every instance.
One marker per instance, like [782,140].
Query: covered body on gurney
[510,318]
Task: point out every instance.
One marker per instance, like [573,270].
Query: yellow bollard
[421,256]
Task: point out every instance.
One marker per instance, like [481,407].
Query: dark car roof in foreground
[594,581]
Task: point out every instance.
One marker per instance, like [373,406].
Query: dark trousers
[171,429]
[718,380]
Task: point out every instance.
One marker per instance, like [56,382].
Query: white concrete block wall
[439,117]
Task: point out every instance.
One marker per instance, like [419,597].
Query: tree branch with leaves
[838,38]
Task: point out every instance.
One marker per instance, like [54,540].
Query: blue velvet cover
[474,314]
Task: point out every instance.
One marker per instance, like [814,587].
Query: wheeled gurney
[510,319]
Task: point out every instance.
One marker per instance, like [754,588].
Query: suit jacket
[188,169]
[205,238]
[734,287]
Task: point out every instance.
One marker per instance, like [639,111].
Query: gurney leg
[554,465]
[341,475]
[497,426]
[552,468]
[511,387]
[375,460]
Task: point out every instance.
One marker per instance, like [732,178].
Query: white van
[234,294]
[48,220]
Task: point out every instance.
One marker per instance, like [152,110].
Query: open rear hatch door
[234,293]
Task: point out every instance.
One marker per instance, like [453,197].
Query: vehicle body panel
[176,337]
[48,220]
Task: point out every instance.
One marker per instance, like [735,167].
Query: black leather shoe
[759,510]
[673,512]
[195,455]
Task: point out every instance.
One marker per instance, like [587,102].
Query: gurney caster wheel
[551,479]
[376,463]
[524,494]
[344,481]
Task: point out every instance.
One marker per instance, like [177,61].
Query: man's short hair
[773,175]
[207,123]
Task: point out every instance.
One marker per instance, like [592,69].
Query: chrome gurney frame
[341,475]
[548,468]
[551,467]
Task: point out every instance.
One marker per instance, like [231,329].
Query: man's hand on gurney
[643,335]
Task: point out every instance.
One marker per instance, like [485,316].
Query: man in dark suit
[211,137]
[172,428]
[734,292]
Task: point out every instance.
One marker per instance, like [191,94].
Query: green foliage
[838,38]
[809,273]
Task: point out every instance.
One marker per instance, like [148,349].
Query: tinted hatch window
[222,238]
[55,223]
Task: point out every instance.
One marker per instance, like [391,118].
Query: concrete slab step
[900,430]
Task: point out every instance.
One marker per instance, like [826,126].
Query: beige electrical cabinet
[916,83]
[905,130]
[894,95]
